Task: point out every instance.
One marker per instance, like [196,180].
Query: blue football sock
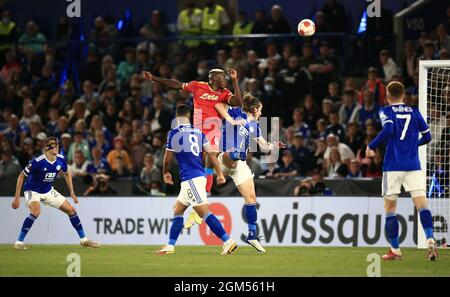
[76,223]
[175,229]
[392,229]
[251,216]
[427,222]
[215,226]
[26,226]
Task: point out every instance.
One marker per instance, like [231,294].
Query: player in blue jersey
[40,174]
[187,143]
[402,126]
[239,128]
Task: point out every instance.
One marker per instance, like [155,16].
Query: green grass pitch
[121,260]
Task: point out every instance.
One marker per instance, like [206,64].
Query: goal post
[434,105]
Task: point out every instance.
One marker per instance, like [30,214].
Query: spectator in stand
[150,176]
[410,62]
[335,167]
[159,116]
[237,58]
[79,144]
[298,124]
[327,108]
[335,128]
[119,151]
[138,150]
[323,70]
[260,25]
[119,169]
[349,111]
[9,34]
[101,143]
[375,167]
[278,23]
[98,163]
[321,128]
[346,154]
[294,82]
[310,111]
[429,51]
[92,69]
[355,169]
[375,85]
[287,168]
[322,26]
[99,186]
[11,65]
[302,155]
[79,166]
[129,66]
[66,142]
[9,166]
[32,39]
[335,15]
[369,110]
[307,57]
[355,137]
[388,66]
[443,39]
[102,36]
[333,92]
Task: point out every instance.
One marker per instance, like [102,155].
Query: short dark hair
[183,110]
[395,89]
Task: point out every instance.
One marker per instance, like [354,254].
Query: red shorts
[213,137]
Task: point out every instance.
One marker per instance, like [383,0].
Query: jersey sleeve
[255,130]
[169,140]
[63,165]
[190,86]
[385,117]
[422,125]
[29,168]
[227,96]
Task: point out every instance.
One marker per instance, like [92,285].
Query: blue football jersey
[41,173]
[402,152]
[238,137]
[187,143]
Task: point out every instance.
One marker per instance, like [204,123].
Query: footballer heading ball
[306,27]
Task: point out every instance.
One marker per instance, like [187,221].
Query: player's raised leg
[421,203]
[229,245]
[35,210]
[67,208]
[175,228]
[391,226]
[247,190]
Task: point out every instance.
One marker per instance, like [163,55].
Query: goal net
[434,104]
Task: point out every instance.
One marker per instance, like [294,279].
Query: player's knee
[390,203]
[35,212]
[71,210]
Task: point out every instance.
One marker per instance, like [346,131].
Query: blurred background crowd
[113,125]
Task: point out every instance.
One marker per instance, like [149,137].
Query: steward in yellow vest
[214,19]
[189,23]
[241,27]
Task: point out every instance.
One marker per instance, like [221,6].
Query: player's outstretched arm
[222,110]
[16,202]
[236,99]
[167,177]
[69,183]
[267,146]
[171,83]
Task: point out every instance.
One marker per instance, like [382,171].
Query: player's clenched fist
[167,177]
[220,180]
[147,75]
[232,73]
[370,152]
[16,203]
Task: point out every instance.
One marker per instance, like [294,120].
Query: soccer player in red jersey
[206,96]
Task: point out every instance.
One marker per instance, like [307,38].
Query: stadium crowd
[112,122]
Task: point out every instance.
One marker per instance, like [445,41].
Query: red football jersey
[206,118]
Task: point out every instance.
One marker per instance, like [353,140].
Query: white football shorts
[193,192]
[410,180]
[52,198]
[240,174]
